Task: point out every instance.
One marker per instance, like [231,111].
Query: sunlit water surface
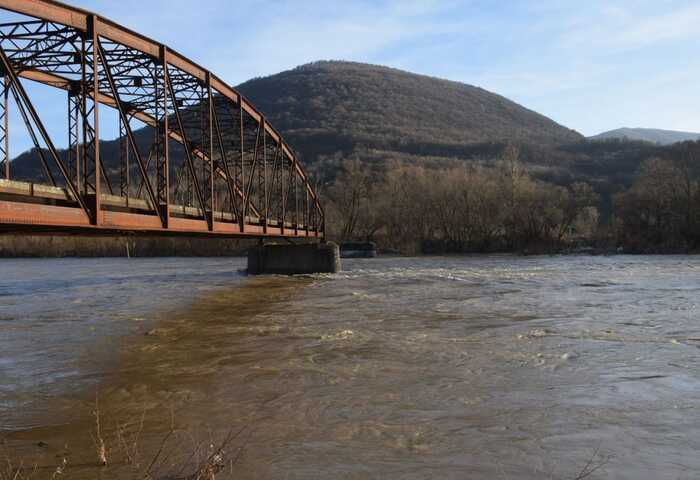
[476,367]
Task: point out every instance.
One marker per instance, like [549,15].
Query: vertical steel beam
[74,135]
[210,146]
[296,200]
[306,211]
[124,166]
[5,126]
[282,169]
[242,171]
[95,88]
[283,194]
[163,154]
[272,181]
[87,126]
[264,180]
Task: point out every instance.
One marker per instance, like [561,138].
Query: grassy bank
[18,246]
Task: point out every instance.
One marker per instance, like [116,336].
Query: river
[411,368]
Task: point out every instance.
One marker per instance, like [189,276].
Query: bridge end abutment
[294,259]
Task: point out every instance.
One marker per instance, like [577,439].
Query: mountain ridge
[357,104]
[652,135]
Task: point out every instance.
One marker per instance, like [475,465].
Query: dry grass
[14,470]
[205,460]
[122,454]
[595,463]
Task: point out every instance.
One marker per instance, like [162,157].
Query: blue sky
[591,65]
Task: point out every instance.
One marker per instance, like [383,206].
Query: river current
[435,367]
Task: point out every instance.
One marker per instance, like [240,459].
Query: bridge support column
[294,259]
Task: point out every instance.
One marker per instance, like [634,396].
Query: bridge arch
[215,165]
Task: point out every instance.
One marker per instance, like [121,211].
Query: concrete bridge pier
[294,259]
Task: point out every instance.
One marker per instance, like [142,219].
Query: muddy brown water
[474,367]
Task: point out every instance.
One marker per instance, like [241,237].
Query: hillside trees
[661,211]
[463,208]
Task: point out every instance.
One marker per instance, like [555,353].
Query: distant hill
[331,106]
[661,137]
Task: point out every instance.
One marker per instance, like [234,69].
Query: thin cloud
[677,25]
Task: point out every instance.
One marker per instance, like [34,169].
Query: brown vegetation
[501,206]
[661,211]
[466,208]
[122,452]
[57,246]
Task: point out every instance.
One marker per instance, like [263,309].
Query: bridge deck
[28,207]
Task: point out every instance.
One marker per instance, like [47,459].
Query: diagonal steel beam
[227,169]
[129,133]
[188,153]
[32,135]
[273,176]
[252,172]
[139,191]
[19,90]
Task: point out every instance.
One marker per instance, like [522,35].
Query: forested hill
[327,107]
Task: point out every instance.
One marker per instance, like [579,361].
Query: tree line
[661,211]
[501,206]
[462,208]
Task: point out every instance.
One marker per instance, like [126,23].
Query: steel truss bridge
[214,167]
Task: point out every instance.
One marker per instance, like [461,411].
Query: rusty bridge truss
[194,157]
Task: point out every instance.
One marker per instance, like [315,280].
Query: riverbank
[43,246]
[27,246]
